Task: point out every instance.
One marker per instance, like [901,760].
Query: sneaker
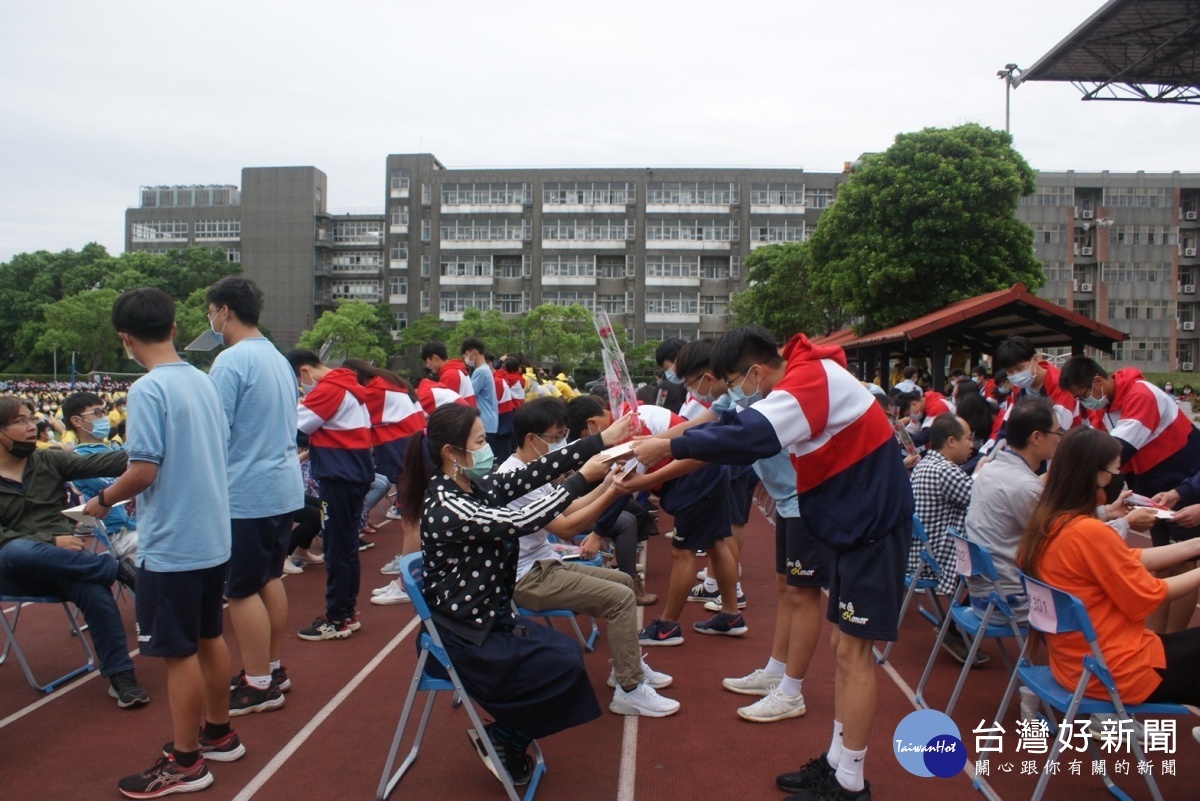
[661,632]
[642,700]
[245,699]
[394,514]
[365,545]
[721,623]
[959,650]
[774,706]
[303,556]
[125,688]
[386,587]
[166,777]
[702,574]
[278,675]
[393,593]
[649,675]
[699,594]
[353,623]
[832,792]
[670,534]
[291,567]
[223,749]
[392,568]
[756,682]
[715,606]
[816,773]
[1196,733]
[519,766]
[127,574]
[325,629]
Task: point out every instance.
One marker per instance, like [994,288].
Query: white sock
[850,769]
[739,589]
[774,667]
[710,584]
[739,573]
[789,686]
[834,754]
[275,665]
[258,682]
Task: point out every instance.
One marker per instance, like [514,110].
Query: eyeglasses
[24,420]
[695,389]
[552,440]
[1057,433]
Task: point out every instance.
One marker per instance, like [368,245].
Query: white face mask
[1023,379]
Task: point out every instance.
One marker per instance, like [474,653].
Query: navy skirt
[534,683]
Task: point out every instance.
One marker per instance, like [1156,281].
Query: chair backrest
[918,531]
[412,578]
[1053,611]
[971,558]
[931,564]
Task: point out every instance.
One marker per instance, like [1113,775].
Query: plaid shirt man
[942,492]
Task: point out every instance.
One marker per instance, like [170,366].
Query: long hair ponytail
[448,425]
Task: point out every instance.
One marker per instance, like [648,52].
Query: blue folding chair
[12,645]
[1053,611]
[923,581]
[430,644]
[548,615]
[973,618]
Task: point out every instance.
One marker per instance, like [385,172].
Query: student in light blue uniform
[86,414]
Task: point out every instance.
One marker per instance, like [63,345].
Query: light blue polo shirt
[259,395]
[175,421]
[776,472]
[485,397]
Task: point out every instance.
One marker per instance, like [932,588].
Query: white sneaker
[393,593]
[303,556]
[394,514]
[642,700]
[392,568]
[701,575]
[290,568]
[650,676]
[757,682]
[775,706]
[387,587]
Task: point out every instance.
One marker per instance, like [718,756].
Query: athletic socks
[834,754]
[774,667]
[850,770]
[789,686]
[259,682]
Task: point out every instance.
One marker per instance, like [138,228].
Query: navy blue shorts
[741,497]
[866,585]
[260,544]
[704,521]
[799,556]
[177,610]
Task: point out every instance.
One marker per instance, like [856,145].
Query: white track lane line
[277,762]
[627,774]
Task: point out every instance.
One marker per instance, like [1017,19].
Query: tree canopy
[925,223]
[781,295]
[356,330]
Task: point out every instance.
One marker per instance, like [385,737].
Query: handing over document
[76,514]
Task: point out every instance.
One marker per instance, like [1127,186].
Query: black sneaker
[125,688]
[815,773]
[245,699]
[278,675]
[518,765]
[223,749]
[127,574]
[325,629]
[166,777]
[832,792]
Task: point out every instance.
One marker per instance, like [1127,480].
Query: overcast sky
[97,99]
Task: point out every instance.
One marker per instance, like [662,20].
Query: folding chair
[1053,611]
[430,644]
[923,581]
[11,644]
[547,615]
[972,560]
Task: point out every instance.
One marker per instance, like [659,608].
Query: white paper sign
[962,557]
[1041,608]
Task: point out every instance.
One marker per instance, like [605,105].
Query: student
[671,386]
[545,581]
[177,448]
[334,415]
[852,490]
[258,393]
[528,677]
[510,392]
[86,417]
[483,384]
[451,373]
[1017,356]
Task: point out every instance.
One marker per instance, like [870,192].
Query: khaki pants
[596,591]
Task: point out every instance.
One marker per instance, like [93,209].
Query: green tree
[499,334]
[81,323]
[925,223]
[354,328]
[559,334]
[426,328]
[781,295]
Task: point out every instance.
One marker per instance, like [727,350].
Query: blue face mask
[481,462]
[101,428]
[551,447]
[670,376]
[739,396]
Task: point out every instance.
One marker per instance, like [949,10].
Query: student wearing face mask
[1017,356]
[334,415]
[483,382]
[670,387]
[1160,453]
[86,416]
[529,678]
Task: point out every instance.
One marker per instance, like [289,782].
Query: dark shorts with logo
[741,497]
[799,556]
[177,610]
[866,586]
[259,546]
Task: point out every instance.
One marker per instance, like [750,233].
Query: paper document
[76,513]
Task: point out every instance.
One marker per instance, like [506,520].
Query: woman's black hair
[365,371]
[448,425]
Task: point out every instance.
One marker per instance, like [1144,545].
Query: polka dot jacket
[469,541]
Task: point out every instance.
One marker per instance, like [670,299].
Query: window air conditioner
[1086,251]
[1189,215]
[1189,325]
[1186,366]
[1085,287]
[1087,214]
[1189,289]
[1189,252]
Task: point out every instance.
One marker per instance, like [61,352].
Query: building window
[1050,196]
[452,302]
[425,266]
[218,229]
[691,193]
[1135,272]
[473,230]
[818,198]
[718,230]
[663,334]
[1142,350]
[233,255]
[777,194]
[588,193]
[514,266]
[426,230]
[1049,234]
[614,304]
[356,290]
[1138,198]
[398,286]
[714,268]
[399,320]
[424,300]
[398,180]
[196,196]
[714,304]
[571,298]
[358,232]
[398,252]
[589,230]
[1122,309]
[399,215]
[615,266]
[467,266]
[486,194]
[576,266]
[1143,235]
[673,266]
[355,261]
[159,231]
[513,303]
[1058,271]
[777,231]
[426,194]
[672,303]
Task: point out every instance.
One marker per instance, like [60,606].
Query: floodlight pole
[1011,79]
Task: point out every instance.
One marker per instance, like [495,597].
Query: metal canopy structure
[975,325]
[1131,50]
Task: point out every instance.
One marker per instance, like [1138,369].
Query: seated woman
[1066,546]
[528,677]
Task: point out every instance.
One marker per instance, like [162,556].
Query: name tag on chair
[1042,615]
[962,558]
